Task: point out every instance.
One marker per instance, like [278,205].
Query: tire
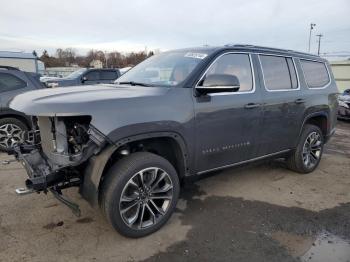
[298,160]
[120,180]
[11,133]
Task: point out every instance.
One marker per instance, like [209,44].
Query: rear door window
[108,75]
[10,82]
[279,72]
[316,74]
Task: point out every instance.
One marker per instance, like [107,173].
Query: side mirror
[83,79]
[219,83]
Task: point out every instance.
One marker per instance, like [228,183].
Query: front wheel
[139,194]
[11,133]
[307,155]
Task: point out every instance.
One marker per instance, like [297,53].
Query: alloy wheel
[10,135]
[312,149]
[146,198]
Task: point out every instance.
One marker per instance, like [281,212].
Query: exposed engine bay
[58,149]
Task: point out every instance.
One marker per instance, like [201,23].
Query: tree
[68,57]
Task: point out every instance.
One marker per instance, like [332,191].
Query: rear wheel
[11,133]
[139,194]
[308,153]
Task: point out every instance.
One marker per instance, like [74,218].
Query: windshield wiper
[133,83]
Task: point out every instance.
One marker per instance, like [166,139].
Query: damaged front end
[57,154]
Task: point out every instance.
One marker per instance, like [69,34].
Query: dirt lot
[254,213]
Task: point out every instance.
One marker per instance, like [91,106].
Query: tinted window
[9,82]
[93,76]
[109,75]
[279,72]
[234,64]
[316,74]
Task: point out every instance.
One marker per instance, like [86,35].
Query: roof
[247,47]
[9,54]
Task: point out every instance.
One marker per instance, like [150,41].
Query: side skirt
[245,161]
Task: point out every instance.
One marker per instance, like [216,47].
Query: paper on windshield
[196,55]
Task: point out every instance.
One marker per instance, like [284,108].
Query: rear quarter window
[316,74]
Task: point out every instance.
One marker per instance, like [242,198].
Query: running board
[73,206]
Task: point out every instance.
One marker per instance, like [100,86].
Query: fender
[89,189]
[314,114]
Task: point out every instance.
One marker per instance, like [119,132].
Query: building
[28,62]
[341,71]
[60,71]
[96,64]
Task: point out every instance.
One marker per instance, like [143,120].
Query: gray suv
[177,114]
[85,76]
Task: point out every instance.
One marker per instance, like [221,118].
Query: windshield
[77,73]
[166,69]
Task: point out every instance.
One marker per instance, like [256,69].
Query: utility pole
[319,43]
[106,58]
[312,25]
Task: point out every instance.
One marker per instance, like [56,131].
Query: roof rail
[9,67]
[240,45]
[270,49]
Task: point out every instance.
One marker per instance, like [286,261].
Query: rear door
[11,84]
[283,101]
[228,124]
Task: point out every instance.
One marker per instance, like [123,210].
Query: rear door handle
[299,101]
[251,105]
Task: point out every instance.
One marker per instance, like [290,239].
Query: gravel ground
[260,212]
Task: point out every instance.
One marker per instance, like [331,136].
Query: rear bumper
[328,137]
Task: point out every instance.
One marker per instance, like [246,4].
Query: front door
[92,77]
[228,124]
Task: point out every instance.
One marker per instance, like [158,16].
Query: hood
[80,100]
[62,82]
[49,78]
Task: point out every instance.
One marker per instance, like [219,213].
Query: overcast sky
[131,25]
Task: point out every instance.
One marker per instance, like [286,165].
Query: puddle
[325,247]
[297,245]
[328,248]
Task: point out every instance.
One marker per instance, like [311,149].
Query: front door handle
[299,101]
[251,105]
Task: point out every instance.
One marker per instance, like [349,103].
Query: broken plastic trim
[66,201]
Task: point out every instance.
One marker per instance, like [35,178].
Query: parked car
[177,114]
[13,124]
[84,76]
[344,105]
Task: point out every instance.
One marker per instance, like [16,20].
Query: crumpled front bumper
[41,175]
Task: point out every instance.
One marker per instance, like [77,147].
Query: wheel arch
[176,154]
[16,116]
[319,119]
